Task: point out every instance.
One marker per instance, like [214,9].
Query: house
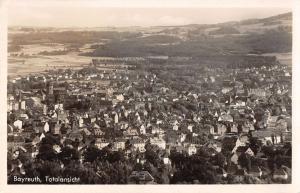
[234,128]
[24,116]
[140,177]
[215,145]
[190,128]
[161,143]
[247,126]
[87,131]
[36,140]
[56,129]
[249,151]
[138,144]
[271,122]
[181,137]
[46,127]
[178,148]
[16,106]
[287,136]
[45,109]
[56,148]
[10,105]
[141,160]
[234,158]
[257,92]
[139,105]
[221,129]
[62,116]
[238,143]
[81,122]
[142,130]
[75,135]
[281,125]
[41,136]
[15,141]
[116,118]
[18,124]
[225,118]
[119,144]
[175,127]
[131,132]
[208,129]
[191,149]
[166,159]
[101,143]
[244,138]
[120,97]
[98,132]
[226,89]
[59,106]
[156,130]
[267,135]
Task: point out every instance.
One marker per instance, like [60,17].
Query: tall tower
[20,95]
[50,88]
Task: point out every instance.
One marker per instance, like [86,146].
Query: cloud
[67,16]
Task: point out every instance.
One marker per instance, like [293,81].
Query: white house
[139,144]
[119,145]
[161,143]
[143,130]
[18,124]
[191,149]
[249,152]
[101,143]
[46,127]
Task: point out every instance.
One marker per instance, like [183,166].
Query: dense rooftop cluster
[147,125]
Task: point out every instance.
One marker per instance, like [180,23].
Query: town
[140,121]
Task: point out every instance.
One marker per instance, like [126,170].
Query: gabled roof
[141,176]
[262,133]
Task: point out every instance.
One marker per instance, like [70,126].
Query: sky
[117,13]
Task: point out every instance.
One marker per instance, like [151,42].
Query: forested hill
[252,36]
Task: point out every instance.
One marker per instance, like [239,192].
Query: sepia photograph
[105,94]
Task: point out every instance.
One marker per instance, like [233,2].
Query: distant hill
[255,36]
[252,36]
[224,30]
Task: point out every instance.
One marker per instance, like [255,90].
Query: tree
[193,168]
[254,145]
[151,154]
[67,154]
[91,154]
[46,152]
[220,159]
[245,161]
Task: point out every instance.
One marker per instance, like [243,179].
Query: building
[161,143]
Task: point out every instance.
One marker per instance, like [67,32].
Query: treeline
[54,52]
[279,40]
[14,48]
[272,41]
[197,63]
[65,37]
